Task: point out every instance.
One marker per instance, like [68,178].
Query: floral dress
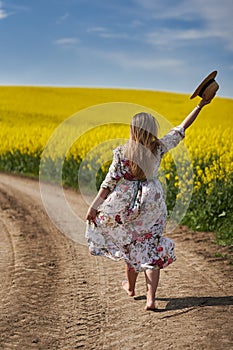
[130,222]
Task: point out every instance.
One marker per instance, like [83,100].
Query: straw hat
[208,87]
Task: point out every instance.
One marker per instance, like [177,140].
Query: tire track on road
[7,259]
[52,288]
[32,281]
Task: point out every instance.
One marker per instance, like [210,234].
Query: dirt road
[54,295]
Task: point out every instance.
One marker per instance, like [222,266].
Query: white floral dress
[130,222]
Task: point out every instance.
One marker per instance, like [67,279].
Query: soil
[54,295]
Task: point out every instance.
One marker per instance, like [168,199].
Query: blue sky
[166,45]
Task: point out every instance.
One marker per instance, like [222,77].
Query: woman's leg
[129,284]
[152,280]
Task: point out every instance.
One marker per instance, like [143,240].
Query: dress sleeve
[172,138]
[114,173]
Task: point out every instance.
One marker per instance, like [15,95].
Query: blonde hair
[142,145]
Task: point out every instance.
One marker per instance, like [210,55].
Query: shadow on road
[191,302]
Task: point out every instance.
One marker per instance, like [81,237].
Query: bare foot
[125,286]
[150,305]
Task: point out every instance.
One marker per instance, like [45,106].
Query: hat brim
[204,84]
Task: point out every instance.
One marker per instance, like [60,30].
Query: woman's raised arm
[193,115]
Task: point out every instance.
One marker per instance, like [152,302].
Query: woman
[127,218]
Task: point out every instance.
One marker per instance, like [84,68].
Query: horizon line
[103,87]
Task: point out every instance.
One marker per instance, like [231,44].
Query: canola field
[30,115]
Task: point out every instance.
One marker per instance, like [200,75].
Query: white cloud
[136,23]
[218,17]
[63,18]
[96,30]
[66,41]
[114,35]
[171,37]
[3,13]
[105,33]
[214,16]
[128,61]
[166,9]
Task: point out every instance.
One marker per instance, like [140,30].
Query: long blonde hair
[142,145]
